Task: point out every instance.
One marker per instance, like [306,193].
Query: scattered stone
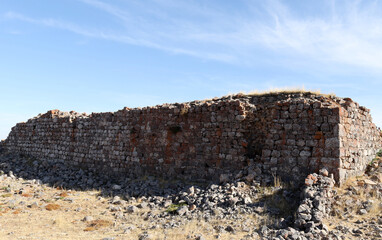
[183,210]
[33,205]
[142,205]
[192,207]
[114,208]
[362,211]
[247,200]
[230,229]
[145,236]
[88,219]
[132,209]
[116,200]
[200,237]
[324,172]
[225,202]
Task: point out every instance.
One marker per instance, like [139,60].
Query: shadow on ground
[210,199]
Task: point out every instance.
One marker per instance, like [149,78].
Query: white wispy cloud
[109,8]
[96,33]
[272,32]
[51,23]
[352,37]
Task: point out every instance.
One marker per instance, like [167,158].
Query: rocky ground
[357,206]
[48,200]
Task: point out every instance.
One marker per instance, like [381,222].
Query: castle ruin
[288,134]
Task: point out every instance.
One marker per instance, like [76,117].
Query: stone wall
[301,134]
[359,138]
[289,135]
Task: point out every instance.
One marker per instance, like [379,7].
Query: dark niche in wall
[175,129]
[254,148]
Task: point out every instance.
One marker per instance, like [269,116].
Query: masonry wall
[192,140]
[360,139]
[289,135]
[301,134]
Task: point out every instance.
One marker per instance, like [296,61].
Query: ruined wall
[359,138]
[289,135]
[193,139]
[301,134]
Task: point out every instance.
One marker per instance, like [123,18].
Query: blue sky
[98,55]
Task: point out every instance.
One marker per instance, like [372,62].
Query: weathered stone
[182,210]
[88,219]
[132,209]
[324,172]
[289,133]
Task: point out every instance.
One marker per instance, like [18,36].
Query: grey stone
[305,154]
[131,209]
[362,211]
[183,210]
[88,219]
[116,200]
[304,216]
[229,228]
[142,205]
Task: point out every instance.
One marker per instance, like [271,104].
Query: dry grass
[63,194]
[97,224]
[274,91]
[277,183]
[62,222]
[195,228]
[52,206]
[363,193]
[16,212]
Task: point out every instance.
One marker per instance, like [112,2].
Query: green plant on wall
[379,153]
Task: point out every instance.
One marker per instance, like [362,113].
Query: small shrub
[184,111]
[174,207]
[89,229]
[276,181]
[63,194]
[97,224]
[379,153]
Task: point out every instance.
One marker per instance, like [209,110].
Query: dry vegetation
[276,91]
[33,211]
[358,203]
[43,212]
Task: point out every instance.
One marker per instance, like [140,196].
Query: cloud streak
[95,33]
[348,35]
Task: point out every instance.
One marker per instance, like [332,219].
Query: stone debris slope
[49,200]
